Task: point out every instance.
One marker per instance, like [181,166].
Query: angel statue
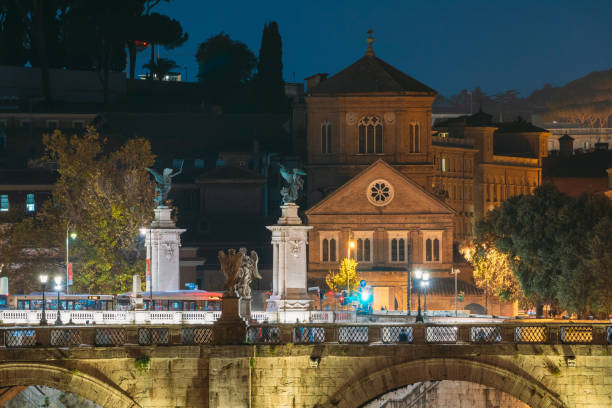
[295,183]
[164,183]
[230,265]
[248,271]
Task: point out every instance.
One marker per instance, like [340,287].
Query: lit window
[326,140]
[198,163]
[444,164]
[370,135]
[30,203]
[4,202]
[176,163]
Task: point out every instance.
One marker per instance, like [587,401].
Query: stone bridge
[308,365]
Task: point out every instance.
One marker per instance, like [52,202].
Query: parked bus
[175,300]
[75,301]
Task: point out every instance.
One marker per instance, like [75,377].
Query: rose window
[380,192]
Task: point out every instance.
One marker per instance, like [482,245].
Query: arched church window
[332,250]
[428,250]
[370,138]
[415,137]
[394,250]
[326,137]
[436,250]
[325,250]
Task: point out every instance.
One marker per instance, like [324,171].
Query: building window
[398,250]
[370,135]
[198,163]
[326,140]
[3,124]
[30,203]
[431,247]
[52,124]
[26,123]
[415,137]
[78,124]
[380,192]
[364,249]
[329,247]
[177,163]
[4,202]
[443,165]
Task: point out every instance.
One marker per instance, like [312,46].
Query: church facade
[379,175]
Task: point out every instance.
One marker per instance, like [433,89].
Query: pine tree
[270,86]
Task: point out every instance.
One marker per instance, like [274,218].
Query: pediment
[380,189]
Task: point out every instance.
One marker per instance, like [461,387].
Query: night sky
[448,45]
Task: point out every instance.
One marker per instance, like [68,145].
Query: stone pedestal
[289,240]
[245,308]
[163,241]
[230,328]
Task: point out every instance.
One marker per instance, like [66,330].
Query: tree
[159,29]
[107,198]
[345,277]
[225,68]
[99,29]
[269,83]
[493,271]
[160,68]
[550,241]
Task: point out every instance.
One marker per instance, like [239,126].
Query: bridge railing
[111,317]
[310,333]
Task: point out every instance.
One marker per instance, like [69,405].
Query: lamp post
[69,235]
[58,287]
[423,278]
[144,231]
[424,285]
[455,272]
[351,245]
[43,280]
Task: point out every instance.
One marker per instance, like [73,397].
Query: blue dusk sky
[448,45]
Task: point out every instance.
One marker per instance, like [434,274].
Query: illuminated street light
[58,288]
[69,235]
[423,278]
[43,280]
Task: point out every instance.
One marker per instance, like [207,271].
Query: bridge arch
[84,385]
[358,391]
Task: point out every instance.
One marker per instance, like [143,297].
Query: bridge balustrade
[310,333]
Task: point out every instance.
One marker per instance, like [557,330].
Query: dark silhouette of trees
[160,68]
[158,29]
[269,83]
[225,69]
[13,34]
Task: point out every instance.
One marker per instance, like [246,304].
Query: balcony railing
[488,335]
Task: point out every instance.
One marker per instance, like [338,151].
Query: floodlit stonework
[301,376]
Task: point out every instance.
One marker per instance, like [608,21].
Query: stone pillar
[230,328]
[163,241]
[289,240]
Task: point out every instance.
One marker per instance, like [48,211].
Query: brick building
[379,175]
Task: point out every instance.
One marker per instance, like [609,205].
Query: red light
[330,293]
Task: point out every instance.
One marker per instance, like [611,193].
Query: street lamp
[69,235]
[423,278]
[455,272]
[43,280]
[351,245]
[58,287]
[424,285]
[148,275]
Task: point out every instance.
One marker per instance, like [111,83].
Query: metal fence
[310,333]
